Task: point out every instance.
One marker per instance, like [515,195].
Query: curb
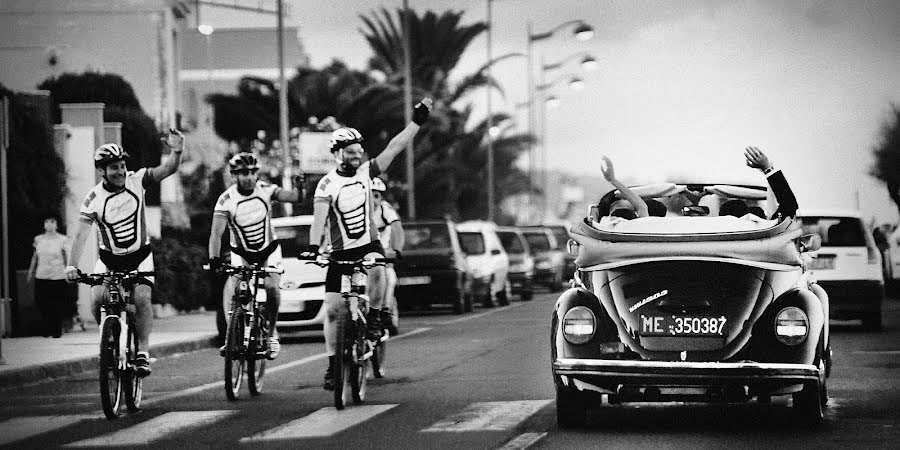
[43,372]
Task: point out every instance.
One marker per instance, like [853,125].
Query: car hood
[300,274]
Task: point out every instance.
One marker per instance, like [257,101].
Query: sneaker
[373,325]
[222,351]
[329,375]
[274,348]
[142,365]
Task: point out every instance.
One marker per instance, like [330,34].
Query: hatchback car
[487,261]
[848,265]
[561,237]
[691,308]
[433,268]
[549,257]
[521,263]
[302,284]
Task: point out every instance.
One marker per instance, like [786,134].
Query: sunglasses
[244,171]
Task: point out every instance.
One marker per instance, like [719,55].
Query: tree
[887,155]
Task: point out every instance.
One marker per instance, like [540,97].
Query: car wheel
[571,409]
[470,302]
[809,403]
[872,321]
[488,301]
[503,296]
[528,293]
[459,302]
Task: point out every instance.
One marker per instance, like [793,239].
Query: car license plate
[822,263]
[406,281]
[682,325]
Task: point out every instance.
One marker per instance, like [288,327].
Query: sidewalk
[32,359]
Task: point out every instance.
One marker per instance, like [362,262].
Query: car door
[499,260]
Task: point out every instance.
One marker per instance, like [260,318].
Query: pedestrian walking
[52,292]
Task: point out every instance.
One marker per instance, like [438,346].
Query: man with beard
[117,206]
[343,200]
[244,209]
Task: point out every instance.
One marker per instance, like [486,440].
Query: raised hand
[174,140]
[757,159]
[606,166]
[422,110]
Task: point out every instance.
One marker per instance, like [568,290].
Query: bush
[180,279]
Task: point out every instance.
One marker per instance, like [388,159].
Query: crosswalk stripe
[490,416]
[19,428]
[523,441]
[322,423]
[154,429]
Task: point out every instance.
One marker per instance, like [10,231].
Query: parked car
[848,265]
[690,308]
[521,263]
[549,257]
[561,238]
[893,255]
[486,260]
[302,284]
[433,268]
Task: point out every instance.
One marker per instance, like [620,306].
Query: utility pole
[490,121]
[407,113]
[283,133]
[4,217]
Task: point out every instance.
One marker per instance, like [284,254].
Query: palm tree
[887,156]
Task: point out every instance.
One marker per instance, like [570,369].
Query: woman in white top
[52,292]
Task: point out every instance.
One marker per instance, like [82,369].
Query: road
[477,381]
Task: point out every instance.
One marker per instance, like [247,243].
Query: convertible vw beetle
[691,307]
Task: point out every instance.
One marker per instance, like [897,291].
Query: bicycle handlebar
[325,261]
[96,279]
[228,269]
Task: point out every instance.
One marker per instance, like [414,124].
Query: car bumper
[520,282]
[441,286]
[848,298]
[609,376]
[307,315]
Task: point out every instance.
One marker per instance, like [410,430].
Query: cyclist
[243,209]
[343,200]
[390,234]
[117,206]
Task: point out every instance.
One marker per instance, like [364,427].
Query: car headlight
[791,325]
[579,325]
[544,265]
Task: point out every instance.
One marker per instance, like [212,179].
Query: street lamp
[588,62]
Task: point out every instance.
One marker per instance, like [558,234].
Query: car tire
[810,402]
[488,301]
[528,293]
[459,302]
[470,302]
[571,409]
[503,296]
[872,321]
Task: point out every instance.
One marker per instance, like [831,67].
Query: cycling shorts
[333,276]
[140,259]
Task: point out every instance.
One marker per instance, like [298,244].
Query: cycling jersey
[248,216]
[350,221]
[120,218]
[385,215]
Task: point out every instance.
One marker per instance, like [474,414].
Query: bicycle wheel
[256,366]
[343,360]
[235,353]
[132,384]
[110,374]
[378,354]
[359,371]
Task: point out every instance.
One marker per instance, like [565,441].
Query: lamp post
[582,32]
[207,31]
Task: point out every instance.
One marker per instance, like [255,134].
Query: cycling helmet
[344,137]
[378,185]
[109,153]
[243,160]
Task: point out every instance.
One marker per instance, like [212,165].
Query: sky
[682,87]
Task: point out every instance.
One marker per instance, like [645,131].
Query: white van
[487,261]
[302,284]
[847,266]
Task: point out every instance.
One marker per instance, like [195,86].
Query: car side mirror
[695,210]
[810,242]
[495,251]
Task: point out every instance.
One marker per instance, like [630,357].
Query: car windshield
[426,237]
[471,242]
[537,240]
[836,231]
[511,242]
[292,239]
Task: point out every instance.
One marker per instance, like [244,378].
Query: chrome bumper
[684,373]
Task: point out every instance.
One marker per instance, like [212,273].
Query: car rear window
[511,242]
[836,231]
[537,240]
[293,240]
[471,242]
[561,236]
[426,237]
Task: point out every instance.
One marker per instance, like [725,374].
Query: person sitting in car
[787,202]
[613,209]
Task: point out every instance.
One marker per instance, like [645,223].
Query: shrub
[180,279]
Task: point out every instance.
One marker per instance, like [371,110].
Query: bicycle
[118,342]
[354,350]
[246,338]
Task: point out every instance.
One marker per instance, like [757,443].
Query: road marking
[269,370]
[490,416]
[523,441]
[154,429]
[322,423]
[882,352]
[480,315]
[19,428]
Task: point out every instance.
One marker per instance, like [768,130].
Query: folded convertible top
[773,246]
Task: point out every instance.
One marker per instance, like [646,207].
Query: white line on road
[490,416]
[269,370]
[478,316]
[878,352]
[19,428]
[154,429]
[322,423]
[523,441]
